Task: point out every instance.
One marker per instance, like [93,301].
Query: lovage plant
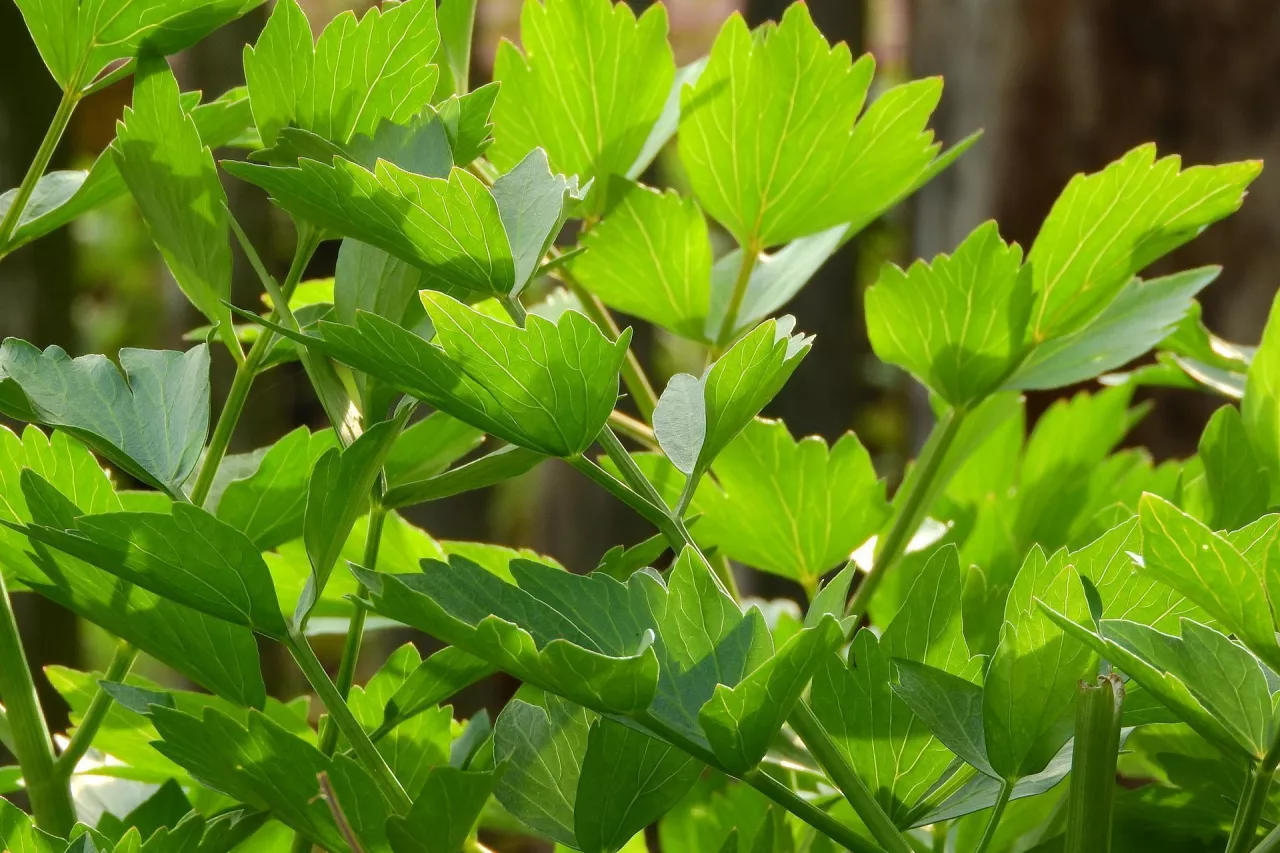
[1026,608]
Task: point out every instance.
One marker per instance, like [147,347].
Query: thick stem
[811,731]
[750,254]
[633,375]
[96,713]
[48,145]
[355,630]
[346,722]
[1093,766]
[993,822]
[920,488]
[1253,799]
[247,371]
[47,790]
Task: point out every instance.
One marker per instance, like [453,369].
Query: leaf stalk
[993,821]
[61,118]
[1253,799]
[96,714]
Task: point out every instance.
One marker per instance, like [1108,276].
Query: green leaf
[548,387]
[338,494]
[172,176]
[542,747]
[357,74]
[606,663]
[956,324]
[432,681]
[696,418]
[258,763]
[1237,490]
[949,706]
[1126,592]
[444,813]
[268,504]
[467,122]
[590,84]
[456,20]
[186,555]
[490,469]
[215,654]
[742,721]
[627,781]
[650,257]
[427,448]
[872,726]
[79,38]
[1106,227]
[19,834]
[1183,554]
[1029,693]
[1260,407]
[767,133]
[450,228]
[533,202]
[151,421]
[796,509]
[1142,315]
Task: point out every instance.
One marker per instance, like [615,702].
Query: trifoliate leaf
[1107,226]
[186,555]
[1029,692]
[151,421]
[767,133]
[795,509]
[450,228]
[956,324]
[650,257]
[172,176]
[357,74]
[1143,314]
[696,418]
[590,84]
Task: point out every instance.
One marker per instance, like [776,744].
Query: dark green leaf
[949,706]
[434,680]
[151,421]
[490,469]
[443,814]
[542,746]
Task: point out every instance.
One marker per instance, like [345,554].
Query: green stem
[633,429]
[767,785]
[6,731]
[1093,766]
[48,145]
[355,631]
[346,722]
[47,790]
[997,812]
[920,488]
[750,254]
[1270,844]
[1253,799]
[811,731]
[940,794]
[247,372]
[633,375]
[96,714]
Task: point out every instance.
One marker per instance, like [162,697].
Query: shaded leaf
[443,814]
[268,504]
[533,203]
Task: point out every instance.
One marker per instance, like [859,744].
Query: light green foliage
[796,509]
[1108,226]
[768,137]
[172,176]
[1235,488]
[151,420]
[1260,407]
[873,727]
[589,85]
[650,257]
[359,72]
[957,323]
[268,504]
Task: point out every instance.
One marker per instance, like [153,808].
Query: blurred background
[1058,87]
